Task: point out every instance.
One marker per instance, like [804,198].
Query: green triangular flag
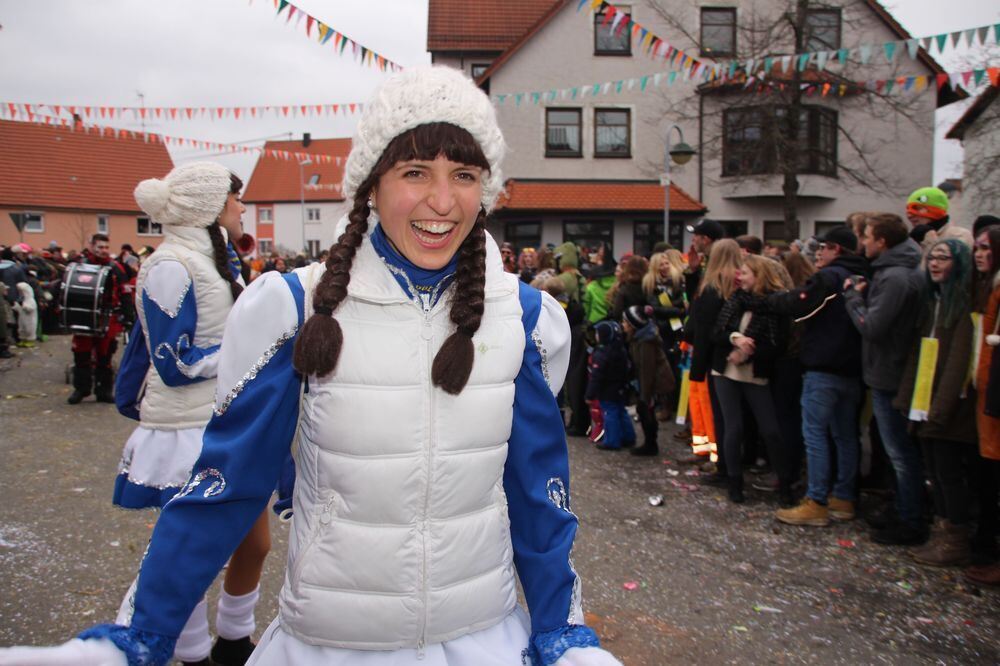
[282,5]
[671,78]
[804,60]
[890,50]
[996,33]
[977,75]
[518,97]
[941,41]
[597,89]
[501,98]
[842,56]
[574,92]
[888,86]
[642,83]
[535,97]
[768,64]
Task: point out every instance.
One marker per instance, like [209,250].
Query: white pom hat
[192,195]
[419,96]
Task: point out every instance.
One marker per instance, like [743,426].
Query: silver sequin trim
[425,305]
[555,488]
[130,595]
[217,486]
[125,467]
[166,308]
[536,337]
[182,342]
[220,408]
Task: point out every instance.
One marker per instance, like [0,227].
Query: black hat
[636,315]
[984,222]
[842,236]
[709,228]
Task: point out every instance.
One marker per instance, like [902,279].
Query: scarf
[421,284]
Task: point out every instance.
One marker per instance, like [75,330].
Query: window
[734,228]
[264,215]
[102,224]
[312,214]
[562,133]
[314,179]
[146,227]
[612,135]
[312,248]
[820,229]
[718,31]
[588,234]
[34,222]
[774,232]
[478,70]
[753,140]
[523,234]
[613,36]
[646,234]
[264,247]
[822,30]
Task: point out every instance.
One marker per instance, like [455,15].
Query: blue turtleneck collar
[428,284]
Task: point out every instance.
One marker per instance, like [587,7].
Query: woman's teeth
[434,227]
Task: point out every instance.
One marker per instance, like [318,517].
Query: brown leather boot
[988,574]
[946,547]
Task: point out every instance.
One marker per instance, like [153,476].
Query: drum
[86,299]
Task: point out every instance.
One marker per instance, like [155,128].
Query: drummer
[92,354]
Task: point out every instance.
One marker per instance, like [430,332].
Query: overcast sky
[235,52]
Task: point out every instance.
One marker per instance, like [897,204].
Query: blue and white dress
[245,448]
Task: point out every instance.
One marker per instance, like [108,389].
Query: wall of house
[72,229]
[981,180]
[899,151]
[288,225]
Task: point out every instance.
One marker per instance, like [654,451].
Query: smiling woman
[431,456]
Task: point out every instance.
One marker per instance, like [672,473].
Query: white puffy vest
[400,535]
[190,406]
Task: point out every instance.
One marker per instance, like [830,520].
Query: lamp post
[680,154]
[302,197]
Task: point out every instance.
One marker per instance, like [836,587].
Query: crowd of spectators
[798,361]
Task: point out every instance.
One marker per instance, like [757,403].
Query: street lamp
[302,197]
[680,155]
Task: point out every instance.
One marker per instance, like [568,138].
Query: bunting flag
[657,47]
[325,33]
[20,114]
[191,112]
[759,83]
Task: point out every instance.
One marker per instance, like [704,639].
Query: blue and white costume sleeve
[244,447]
[171,319]
[536,481]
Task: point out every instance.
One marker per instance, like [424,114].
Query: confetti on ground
[903,585]
[631,585]
[845,543]
[740,628]
[767,609]
[655,500]
[673,472]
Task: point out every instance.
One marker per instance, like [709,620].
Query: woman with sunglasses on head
[418,383]
[946,424]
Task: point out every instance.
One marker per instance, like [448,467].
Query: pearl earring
[371,202]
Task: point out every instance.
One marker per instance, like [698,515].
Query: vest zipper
[325,516]
[428,336]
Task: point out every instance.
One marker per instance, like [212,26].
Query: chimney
[306,139]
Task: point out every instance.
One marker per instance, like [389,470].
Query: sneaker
[808,512]
[768,483]
[840,509]
[899,534]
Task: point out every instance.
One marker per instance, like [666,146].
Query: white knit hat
[419,96]
[192,195]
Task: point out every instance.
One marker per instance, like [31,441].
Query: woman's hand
[745,345]
[100,652]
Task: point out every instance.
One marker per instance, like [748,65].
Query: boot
[83,377]
[736,490]
[4,351]
[104,382]
[840,509]
[984,575]
[232,653]
[647,449]
[808,512]
[948,546]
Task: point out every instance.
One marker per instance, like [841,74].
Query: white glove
[77,652]
[586,656]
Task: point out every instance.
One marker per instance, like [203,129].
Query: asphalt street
[694,580]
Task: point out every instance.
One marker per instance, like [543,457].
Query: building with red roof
[293,204]
[979,131]
[67,184]
[585,108]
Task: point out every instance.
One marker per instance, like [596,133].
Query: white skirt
[499,645]
[154,466]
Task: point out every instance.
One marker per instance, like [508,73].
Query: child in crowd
[651,369]
[609,378]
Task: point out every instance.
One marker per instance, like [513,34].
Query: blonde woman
[663,286]
[717,285]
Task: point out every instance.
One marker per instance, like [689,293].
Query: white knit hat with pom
[419,96]
[192,195]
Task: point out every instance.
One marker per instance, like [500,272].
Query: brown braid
[222,259]
[453,362]
[317,348]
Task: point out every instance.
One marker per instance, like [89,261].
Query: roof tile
[276,179]
[596,195]
[493,25]
[58,167]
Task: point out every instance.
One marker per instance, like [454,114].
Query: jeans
[830,406]
[904,454]
[618,429]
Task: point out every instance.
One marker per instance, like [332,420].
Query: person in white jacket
[414,381]
[27,316]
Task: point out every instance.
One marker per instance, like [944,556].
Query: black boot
[232,653]
[736,490]
[104,381]
[83,377]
